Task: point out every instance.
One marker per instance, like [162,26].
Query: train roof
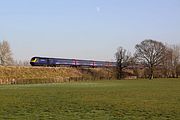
[70,59]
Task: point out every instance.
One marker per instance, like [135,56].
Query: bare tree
[123,59]
[171,61]
[175,59]
[21,63]
[5,54]
[167,63]
[151,53]
[178,70]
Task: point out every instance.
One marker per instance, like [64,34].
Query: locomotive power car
[55,62]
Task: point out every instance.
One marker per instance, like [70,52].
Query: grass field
[158,99]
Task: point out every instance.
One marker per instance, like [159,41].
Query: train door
[50,62]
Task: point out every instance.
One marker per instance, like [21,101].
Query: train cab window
[34,59]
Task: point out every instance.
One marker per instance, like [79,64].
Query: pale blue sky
[86,29]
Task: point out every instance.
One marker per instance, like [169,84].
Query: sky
[86,29]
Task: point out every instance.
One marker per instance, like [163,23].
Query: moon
[98,9]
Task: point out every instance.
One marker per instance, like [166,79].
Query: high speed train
[54,62]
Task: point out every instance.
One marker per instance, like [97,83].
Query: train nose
[32,63]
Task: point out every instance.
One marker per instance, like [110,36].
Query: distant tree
[175,59]
[167,68]
[171,61]
[123,59]
[135,66]
[26,63]
[21,63]
[5,54]
[178,70]
[151,53]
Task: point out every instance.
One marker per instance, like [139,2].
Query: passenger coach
[45,61]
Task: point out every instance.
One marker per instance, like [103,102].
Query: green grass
[157,99]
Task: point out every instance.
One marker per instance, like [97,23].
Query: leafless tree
[21,63]
[175,59]
[5,54]
[167,63]
[151,53]
[171,61]
[178,70]
[123,59]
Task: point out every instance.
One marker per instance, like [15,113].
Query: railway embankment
[35,75]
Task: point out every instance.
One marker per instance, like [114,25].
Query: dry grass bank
[22,75]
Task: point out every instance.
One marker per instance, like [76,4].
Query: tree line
[155,57]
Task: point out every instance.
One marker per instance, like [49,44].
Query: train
[57,62]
